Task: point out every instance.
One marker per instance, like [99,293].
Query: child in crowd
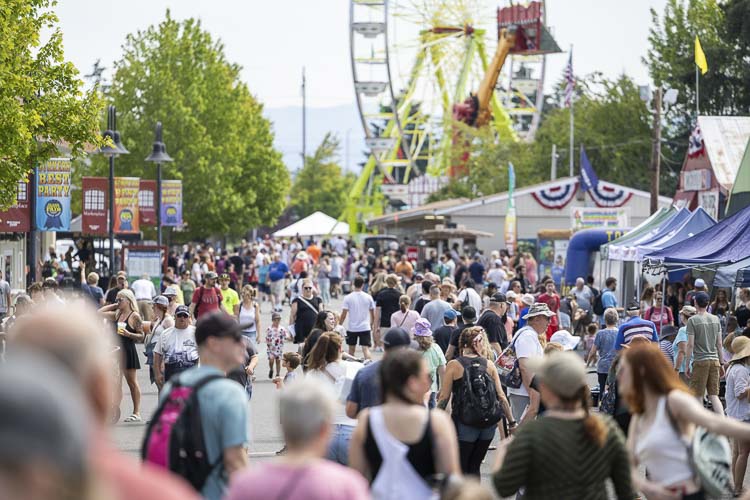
[588,339]
[275,337]
[290,361]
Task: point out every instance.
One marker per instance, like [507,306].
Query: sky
[273,40]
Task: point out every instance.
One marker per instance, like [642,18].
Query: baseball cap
[170,291]
[450,314]
[564,373]
[419,276]
[498,297]
[217,324]
[396,337]
[699,283]
[211,275]
[701,299]
[182,310]
[468,313]
[633,306]
[161,300]
[224,276]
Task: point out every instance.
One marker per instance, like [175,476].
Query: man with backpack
[199,431]
[207,298]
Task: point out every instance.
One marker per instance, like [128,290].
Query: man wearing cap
[443,334]
[492,322]
[698,286]
[704,343]
[175,350]
[524,401]
[144,291]
[634,326]
[365,390]
[223,403]
[679,346]
[208,298]
[230,299]
[121,284]
[173,294]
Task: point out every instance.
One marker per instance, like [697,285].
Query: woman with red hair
[664,414]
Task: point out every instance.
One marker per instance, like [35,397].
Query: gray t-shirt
[583,297]
[433,311]
[4,294]
[706,329]
[223,405]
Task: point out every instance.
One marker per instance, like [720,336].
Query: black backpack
[478,405]
[598,305]
[174,438]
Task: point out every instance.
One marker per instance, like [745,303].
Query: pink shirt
[320,480]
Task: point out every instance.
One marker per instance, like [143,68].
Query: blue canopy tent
[698,221]
[628,250]
[731,275]
[726,242]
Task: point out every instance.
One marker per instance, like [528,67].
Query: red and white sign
[412,253]
[95,202]
[17,219]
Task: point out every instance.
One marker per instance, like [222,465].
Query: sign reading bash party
[126,205]
[53,195]
[171,203]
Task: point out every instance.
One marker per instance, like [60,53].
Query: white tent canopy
[315,224]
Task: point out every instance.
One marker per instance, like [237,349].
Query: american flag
[696,146]
[570,81]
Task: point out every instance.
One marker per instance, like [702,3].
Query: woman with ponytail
[588,448]
[325,363]
[405,317]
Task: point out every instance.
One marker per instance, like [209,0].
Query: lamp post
[158,155]
[111,152]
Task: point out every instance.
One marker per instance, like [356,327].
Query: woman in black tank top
[402,418]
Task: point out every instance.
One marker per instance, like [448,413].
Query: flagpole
[697,93]
[571,158]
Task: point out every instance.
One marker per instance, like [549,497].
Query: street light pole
[158,155]
[656,152]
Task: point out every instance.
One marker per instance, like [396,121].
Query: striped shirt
[633,327]
[579,470]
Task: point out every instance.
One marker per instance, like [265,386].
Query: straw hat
[741,348]
[539,309]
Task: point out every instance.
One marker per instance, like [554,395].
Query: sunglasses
[182,315]
[307,288]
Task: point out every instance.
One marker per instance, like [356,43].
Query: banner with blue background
[53,195]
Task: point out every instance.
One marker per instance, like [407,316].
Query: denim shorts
[471,434]
[338,448]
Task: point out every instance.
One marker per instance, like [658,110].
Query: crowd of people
[457,353]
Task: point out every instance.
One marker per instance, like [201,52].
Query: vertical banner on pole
[147,203]
[126,204]
[511,235]
[94,207]
[53,195]
[171,203]
[17,219]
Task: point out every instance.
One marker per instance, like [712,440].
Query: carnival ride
[413,63]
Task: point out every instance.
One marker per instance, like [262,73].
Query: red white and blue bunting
[556,196]
[608,195]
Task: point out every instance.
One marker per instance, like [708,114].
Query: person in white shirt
[360,308]
[144,291]
[497,275]
[524,401]
[738,404]
[468,296]
[176,349]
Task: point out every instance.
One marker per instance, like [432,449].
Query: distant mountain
[287,126]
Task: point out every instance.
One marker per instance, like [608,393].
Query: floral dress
[275,341]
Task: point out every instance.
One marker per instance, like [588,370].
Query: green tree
[321,184]
[233,178]
[41,101]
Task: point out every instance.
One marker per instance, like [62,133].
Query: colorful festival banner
[147,203]
[171,203]
[53,195]
[511,231]
[126,204]
[95,205]
[17,219]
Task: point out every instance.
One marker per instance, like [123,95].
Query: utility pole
[304,119]
[553,165]
[656,151]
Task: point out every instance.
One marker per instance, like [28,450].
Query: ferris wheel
[412,61]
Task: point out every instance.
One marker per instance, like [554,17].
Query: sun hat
[565,339]
[527,299]
[688,311]
[422,328]
[564,373]
[668,331]
[511,296]
[538,309]
[741,348]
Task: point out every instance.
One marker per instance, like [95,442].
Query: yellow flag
[700,57]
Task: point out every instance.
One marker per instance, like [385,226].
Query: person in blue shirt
[557,272]
[277,272]
[609,299]
[634,326]
[476,271]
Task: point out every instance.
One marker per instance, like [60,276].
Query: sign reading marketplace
[53,195]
